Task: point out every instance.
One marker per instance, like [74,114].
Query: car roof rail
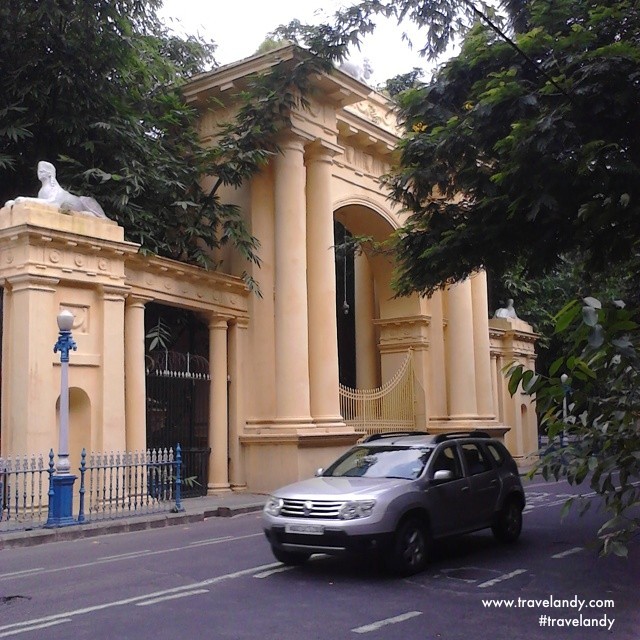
[393,434]
[452,435]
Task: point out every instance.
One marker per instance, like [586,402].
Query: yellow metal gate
[390,407]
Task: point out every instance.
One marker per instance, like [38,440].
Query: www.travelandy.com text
[585,609]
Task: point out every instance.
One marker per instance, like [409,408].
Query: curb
[16,539]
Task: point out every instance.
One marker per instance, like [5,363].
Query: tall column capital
[241,323]
[25,281]
[321,151]
[134,300]
[218,322]
[115,293]
[290,141]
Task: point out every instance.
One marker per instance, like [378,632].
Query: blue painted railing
[109,486]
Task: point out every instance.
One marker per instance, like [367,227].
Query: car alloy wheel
[508,525]
[410,549]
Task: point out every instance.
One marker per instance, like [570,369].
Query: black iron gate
[178,412]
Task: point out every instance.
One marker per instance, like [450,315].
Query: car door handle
[464,489]
[494,483]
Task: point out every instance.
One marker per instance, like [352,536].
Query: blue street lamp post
[61,483]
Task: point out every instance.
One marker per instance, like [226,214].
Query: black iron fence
[24,483]
[178,389]
[108,486]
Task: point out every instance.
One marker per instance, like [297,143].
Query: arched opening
[80,434]
[370,298]
[379,333]
[345,306]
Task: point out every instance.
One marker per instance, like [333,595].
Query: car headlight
[273,506]
[356,509]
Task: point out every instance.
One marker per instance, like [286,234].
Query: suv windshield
[380,462]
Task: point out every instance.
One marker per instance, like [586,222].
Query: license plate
[305,529]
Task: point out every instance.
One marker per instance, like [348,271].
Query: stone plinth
[50,261]
[513,342]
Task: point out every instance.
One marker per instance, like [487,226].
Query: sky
[238,27]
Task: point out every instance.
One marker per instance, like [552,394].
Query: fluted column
[461,378]
[291,329]
[482,347]
[134,373]
[218,429]
[321,284]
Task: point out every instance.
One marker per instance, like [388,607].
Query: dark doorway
[178,383]
[345,306]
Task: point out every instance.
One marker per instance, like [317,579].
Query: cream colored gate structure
[390,407]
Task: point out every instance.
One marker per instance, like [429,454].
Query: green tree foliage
[93,86]
[600,379]
[402,82]
[520,153]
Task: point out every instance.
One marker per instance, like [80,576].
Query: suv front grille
[327,509]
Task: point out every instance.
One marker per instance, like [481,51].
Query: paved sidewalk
[195,510]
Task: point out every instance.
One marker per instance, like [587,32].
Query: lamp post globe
[65,320]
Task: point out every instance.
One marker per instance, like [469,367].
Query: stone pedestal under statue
[51,261]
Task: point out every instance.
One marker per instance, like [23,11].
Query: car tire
[410,550]
[290,558]
[508,522]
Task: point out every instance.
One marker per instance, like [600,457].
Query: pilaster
[513,341]
[367,360]
[460,350]
[237,399]
[397,337]
[31,384]
[113,381]
[482,357]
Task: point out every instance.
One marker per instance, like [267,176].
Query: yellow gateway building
[259,391]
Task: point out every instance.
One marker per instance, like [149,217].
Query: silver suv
[393,494]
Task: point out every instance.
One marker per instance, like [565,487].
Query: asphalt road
[218,580]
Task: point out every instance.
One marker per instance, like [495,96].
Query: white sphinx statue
[52,193]
[507,312]
[361,72]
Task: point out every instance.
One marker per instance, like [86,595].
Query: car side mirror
[319,472]
[442,475]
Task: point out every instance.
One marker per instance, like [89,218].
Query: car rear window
[496,454]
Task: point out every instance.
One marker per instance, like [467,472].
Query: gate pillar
[50,261]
